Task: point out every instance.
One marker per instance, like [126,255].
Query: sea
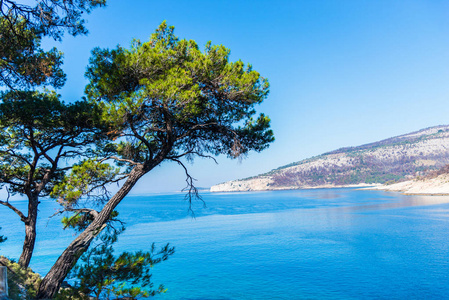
[298,244]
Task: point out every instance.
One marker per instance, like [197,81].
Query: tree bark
[52,281]
[30,233]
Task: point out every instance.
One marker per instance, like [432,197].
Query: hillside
[420,186]
[434,183]
[394,159]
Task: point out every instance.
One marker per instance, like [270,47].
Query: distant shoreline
[424,152]
[438,186]
[237,189]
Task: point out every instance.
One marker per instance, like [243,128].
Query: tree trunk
[52,281]
[30,233]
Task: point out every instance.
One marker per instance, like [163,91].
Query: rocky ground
[395,159]
[428,186]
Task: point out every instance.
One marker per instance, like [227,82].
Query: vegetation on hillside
[391,160]
[380,162]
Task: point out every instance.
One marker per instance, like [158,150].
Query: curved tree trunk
[30,233]
[52,281]
[28,244]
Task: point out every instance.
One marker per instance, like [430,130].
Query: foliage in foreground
[23,283]
[101,275]
[2,238]
[36,125]
[166,101]
[40,133]
[23,25]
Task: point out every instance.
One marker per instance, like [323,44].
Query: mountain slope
[396,158]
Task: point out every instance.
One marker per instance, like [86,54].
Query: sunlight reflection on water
[312,244]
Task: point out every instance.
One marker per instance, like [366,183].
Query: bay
[302,244]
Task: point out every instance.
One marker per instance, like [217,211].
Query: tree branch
[196,127]
[192,191]
[13,154]
[18,212]
[92,212]
[191,152]
[123,160]
[142,139]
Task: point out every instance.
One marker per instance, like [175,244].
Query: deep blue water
[309,244]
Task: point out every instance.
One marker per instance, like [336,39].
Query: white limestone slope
[429,148]
[429,186]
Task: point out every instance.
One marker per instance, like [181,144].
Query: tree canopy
[170,99]
[102,275]
[50,17]
[38,129]
[39,134]
[23,63]
[165,100]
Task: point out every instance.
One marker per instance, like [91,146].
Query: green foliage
[44,111]
[23,283]
[77,221]
[101,275]
[390,182]
[23,63]
[51,17]
[38,129]
[168,95]
[83,179]
[81,219]
[40,137]
[2,238]
[162,100]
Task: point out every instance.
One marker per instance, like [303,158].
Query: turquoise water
[309,244]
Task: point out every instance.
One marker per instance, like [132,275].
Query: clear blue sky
[342,73]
